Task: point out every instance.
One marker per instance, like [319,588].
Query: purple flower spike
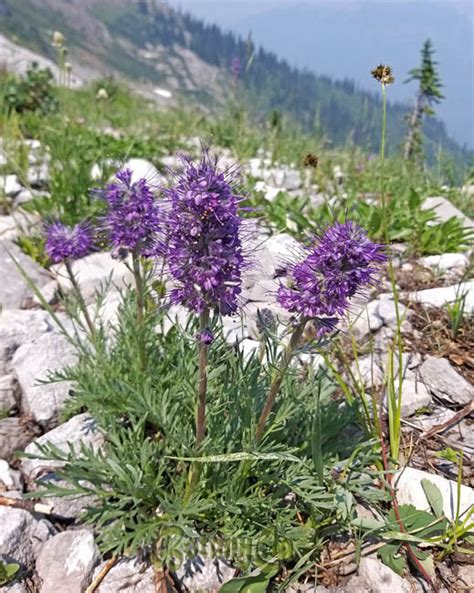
[68,243]
[133,220]
[342,262]
[205,336]
[204,249]
[236,68]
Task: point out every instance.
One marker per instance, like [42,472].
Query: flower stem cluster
[203,242]
[68,243]
[133,220]
[342,262]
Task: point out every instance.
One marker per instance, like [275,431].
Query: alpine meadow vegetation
[260,458]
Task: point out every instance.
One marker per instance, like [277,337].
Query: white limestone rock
[445,262]
[9,395]
[410,491]
[10,479]
[36,361]
[18,327]
[79,430]
[204,574]
[444,382]
[21,536]
[439,297]
[380,578]
[10,185]
[66,562]
[445,210]
[127,576]
[14,291]
[94,272]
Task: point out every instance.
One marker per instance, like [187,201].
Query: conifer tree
[429,93]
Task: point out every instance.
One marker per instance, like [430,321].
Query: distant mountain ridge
[153,45]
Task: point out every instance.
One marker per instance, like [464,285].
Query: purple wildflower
[236,68]
[68,243]
[133,220]
[205,336]
[341,263]
[204,249]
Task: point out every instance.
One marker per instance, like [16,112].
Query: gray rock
[264,290]
[69,507]
[410,491]
[34,362]
[92,273]
[18,327]
[414,396]
[66,562]
[15,434]
[364,320]
[204,574]
[445,210]
[439,297]
[21,536]
[387,312]
[38,175]
[143,169]
[80,429]
[373,368]
[279,251]
[14,292]
[8,228]
[444,382]
[9,394]
[10,185]
[25,196]
[10,479]
[445,262]
[14,588]
[127,576]
[380,578]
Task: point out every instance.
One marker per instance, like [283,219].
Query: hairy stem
[140,300]
[275,386]
[203,351]
[80,298]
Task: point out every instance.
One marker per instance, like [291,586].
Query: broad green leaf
[255,584]
[8,572]
[391,557]
[428,565]
[367,523]
[433,496]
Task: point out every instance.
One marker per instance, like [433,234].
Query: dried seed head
[311,160]
[383,74]
[102,95]
[58,39]
[68,67]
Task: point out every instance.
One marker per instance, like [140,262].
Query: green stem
[203,351]
[140,301]
[203,355]
[80,298]
[275,386]
[394,438]
[382,162]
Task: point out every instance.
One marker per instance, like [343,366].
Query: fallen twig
[102,574]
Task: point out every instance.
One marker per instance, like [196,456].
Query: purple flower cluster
[341,263]
[203,242]
[236,68]
[68,243]
[133,219]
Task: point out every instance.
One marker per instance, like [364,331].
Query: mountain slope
[153,45]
